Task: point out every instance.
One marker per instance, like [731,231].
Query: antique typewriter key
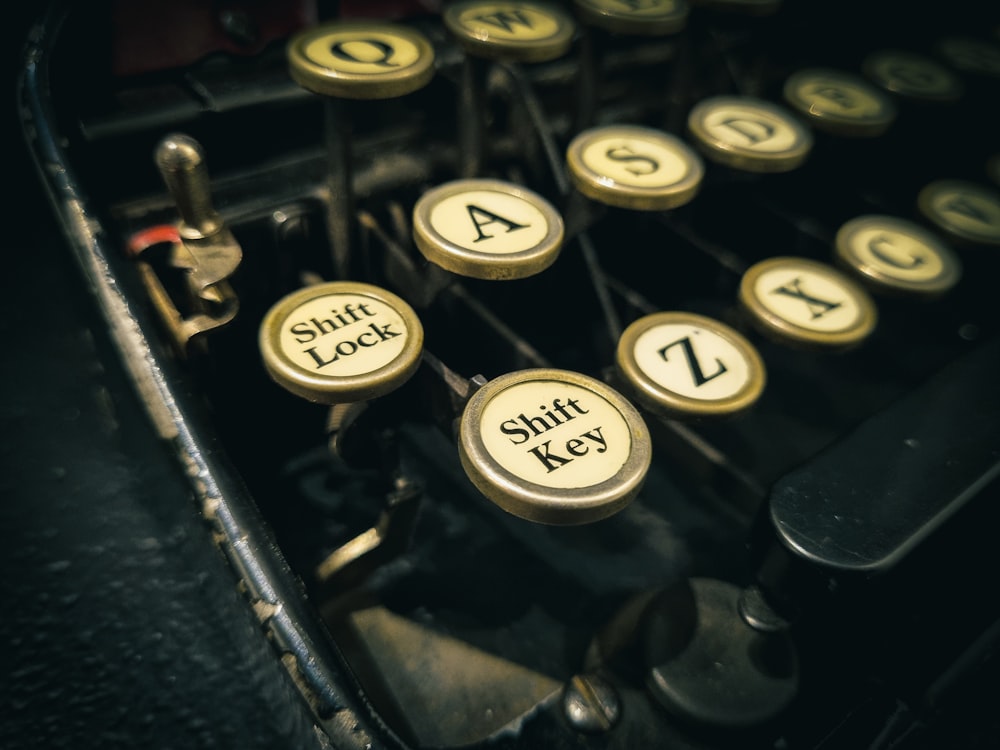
[487,229]
[681,365]
[516,32]
[341,342]
[804,303]
[913,76]
[356,60]
[498,32]
[650,18]
[840,103]
[554,446]
[749,134]
[634,167]
[361,60]
[970,55]
[967,211]
[896,256]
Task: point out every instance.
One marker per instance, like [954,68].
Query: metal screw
[591,704]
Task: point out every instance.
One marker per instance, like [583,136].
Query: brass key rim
[480,41]
[882,68]
[931,195]
[545,504]
[660,399]
[780,329]
[604,189]
[334,389]
[883,275]
[866,125]
[386,82]
[749,158]
[669,18]
[467,260]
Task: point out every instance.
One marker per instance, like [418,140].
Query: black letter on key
[965,207]
[386,50]
[474,210]
[696,372]
[818,307]
[624,153]
[759,132]
[506,20]
[873,247]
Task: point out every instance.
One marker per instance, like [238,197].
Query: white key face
[509,22]
[555,434]
[342,335]
[965,209]
[814,301]
[895,250]
[913,75]
[361,60]
[692,361]
[751,128]
[490,222]
[638,162]
[487,229]
[839,96]
[363,52]
[634,167]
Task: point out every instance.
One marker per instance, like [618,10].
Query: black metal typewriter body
[816,571]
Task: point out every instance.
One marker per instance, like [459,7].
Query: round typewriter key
[970,55]
[361,60]
[650,18]
[679,364]
[520,32]
[487,229]
[805,303]
[554,446]
[341,342]
[897,256]
[634,167]
[965,210]
[840,103]
[749,134]
[913,76]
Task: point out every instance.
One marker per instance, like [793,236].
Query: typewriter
[598,374]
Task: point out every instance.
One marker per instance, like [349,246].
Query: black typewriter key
[971,55]
[354,60]
[554,446]
[897,257]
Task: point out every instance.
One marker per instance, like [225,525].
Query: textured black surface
[121,623]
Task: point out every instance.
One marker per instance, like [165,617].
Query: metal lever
[201,246]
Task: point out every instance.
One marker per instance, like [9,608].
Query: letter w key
[507,20]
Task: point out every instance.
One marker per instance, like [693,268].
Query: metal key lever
[200,246]
[208,249]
